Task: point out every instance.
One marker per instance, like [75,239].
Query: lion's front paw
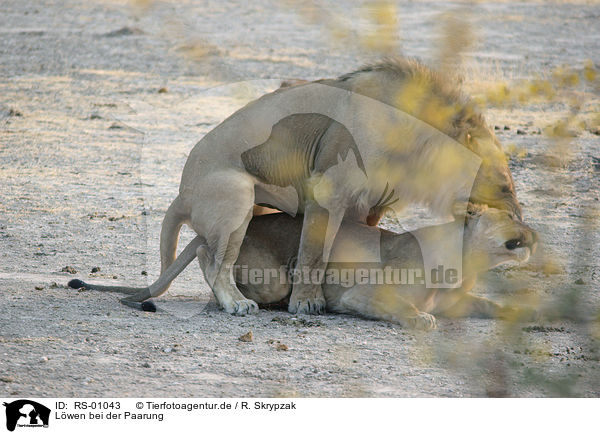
[241,307]
[307,300]
[422,321]
[315,306]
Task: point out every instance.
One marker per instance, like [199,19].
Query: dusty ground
[90,157]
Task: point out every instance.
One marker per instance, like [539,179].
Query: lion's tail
[139,294]
[171,266]
[169,234]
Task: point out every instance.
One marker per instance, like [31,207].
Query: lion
[491,237]
[379,138]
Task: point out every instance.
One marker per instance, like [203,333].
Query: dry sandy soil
[90,156]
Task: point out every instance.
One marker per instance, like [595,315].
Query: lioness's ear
[471,210]
[475,209]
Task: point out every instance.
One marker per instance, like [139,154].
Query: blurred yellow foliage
[515,152]
[498,94]
[589,71]
[410,97]
[564,76]
[455,36]
[383,38]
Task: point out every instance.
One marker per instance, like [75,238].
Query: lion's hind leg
[385,303]
[223,224]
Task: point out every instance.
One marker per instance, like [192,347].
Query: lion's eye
[513,244]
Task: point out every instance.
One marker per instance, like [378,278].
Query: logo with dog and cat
[25,413]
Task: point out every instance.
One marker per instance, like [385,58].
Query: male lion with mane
[346,148]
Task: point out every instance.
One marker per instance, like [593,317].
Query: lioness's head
[493,237]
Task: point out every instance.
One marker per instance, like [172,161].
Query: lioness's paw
[422,321]
[241,307]
[313,306]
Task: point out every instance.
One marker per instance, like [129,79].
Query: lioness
[381,137]
[491,237]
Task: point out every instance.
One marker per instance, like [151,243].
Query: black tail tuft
[76,284]
[148,306]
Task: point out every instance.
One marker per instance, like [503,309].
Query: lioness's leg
[469,305]
[223,224]
[307,296]
[385,303]
[261,271]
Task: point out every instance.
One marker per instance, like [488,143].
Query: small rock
[69,269]
[15,112]
[506,127]
[39,288]
[496,127]
[115,126]
[124,31]
[579,282]
[521,132]
[43,359]
[95,269]
[278,345]
[248,337]
[94,116]
[7,379]
[146,365]
[144,273]
[53,285]
[296,322]
[167,350]
[162,90]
